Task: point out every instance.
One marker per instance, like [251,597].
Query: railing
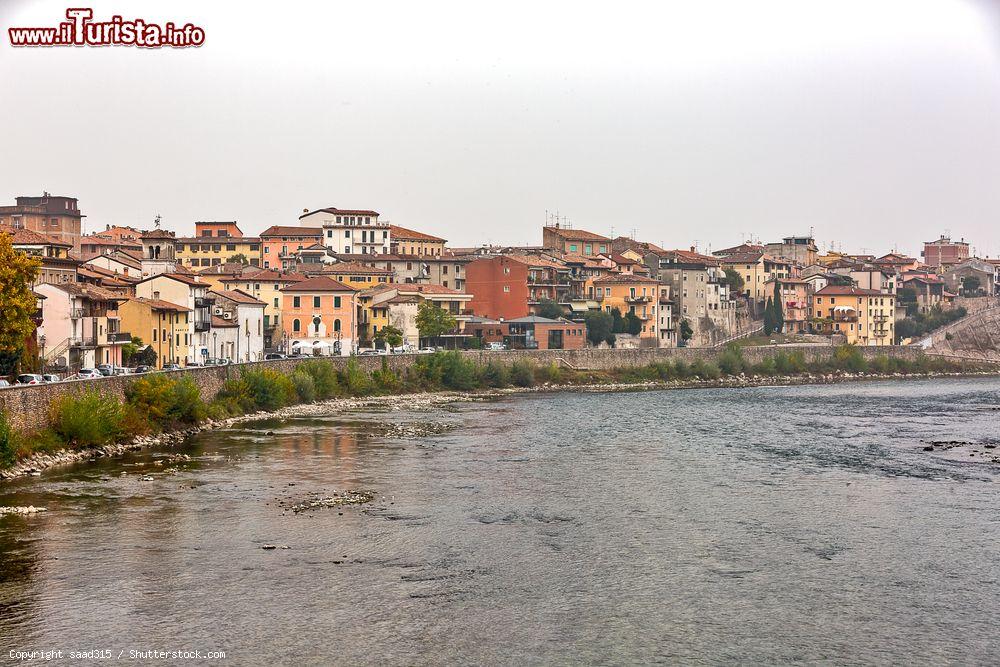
[203,301]
[77,313]
[200,326]
[82,341]
[120,337]
[638,299]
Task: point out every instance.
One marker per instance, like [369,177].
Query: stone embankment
[975,337]
[27,408]
[34,465]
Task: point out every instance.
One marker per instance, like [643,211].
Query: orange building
[629,294]
[280,241]
[318,316]
[499,287]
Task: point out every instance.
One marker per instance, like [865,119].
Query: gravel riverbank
[35,464]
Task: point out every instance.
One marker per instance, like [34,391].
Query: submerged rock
[337,499]
[30,509]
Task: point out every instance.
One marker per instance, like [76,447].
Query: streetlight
[41,342]
[215,344]
[248,342]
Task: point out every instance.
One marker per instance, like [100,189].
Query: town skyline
[787,120]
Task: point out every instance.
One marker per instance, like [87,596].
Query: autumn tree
[239,258]
[18,271]
[389,336]
[433,321]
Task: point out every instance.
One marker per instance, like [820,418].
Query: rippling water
[715,526]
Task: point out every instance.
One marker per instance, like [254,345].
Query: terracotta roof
[160,304]
[354,267]
[97,239]
[22,236]
[218,239]
[396,232]
[289,230]
[576,234]
[90,291]
[179,277]
[239,296]
[624,279]
[340,211]
[219,323]
[620,259]
[224,269]
[842,290]
[319,284]
[690,257]
[265,276]
[533,260]
[158,234]
[740,249]
[413,288]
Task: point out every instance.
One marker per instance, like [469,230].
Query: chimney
[305,210]
[692,248]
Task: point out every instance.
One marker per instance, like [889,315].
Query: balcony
[202,325]
[119,337]
[638,299]
[77,313]
[203,301]
[82,341]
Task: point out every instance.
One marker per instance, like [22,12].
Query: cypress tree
[779,316]
[769,317]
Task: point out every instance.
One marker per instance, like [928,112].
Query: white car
[88,374]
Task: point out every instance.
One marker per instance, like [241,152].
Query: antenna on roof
[156,221]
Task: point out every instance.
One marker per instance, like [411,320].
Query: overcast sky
[874,122]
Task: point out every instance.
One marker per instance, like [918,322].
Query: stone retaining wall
[28,407]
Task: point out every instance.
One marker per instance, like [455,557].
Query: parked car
[495,346]
[370,353]
[29,378]
[4,383]
[51,377]
[171,367]
[273,356]
[426,350]
[119,370]
[105,369]
[142,369]
[88,373]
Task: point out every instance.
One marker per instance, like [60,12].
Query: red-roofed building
[574,241]
[347,231]
[405,241]
[511,286]
[861,316]
[319,316]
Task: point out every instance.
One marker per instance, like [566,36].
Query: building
[895,263]
[945,252]
[355,274]
[861,316]
[794,295]
[158,252]
[512,286]
[216,243]
[756,269]
[265,285]
[696,294]
[410,242]
[118,263]
[279,242]
[191,343]
[58,217]
[347,231]
[921,292]
[397,305]
[319,316]
[57,265]
[447,270]
[574,241]
[799,250]
[531,333]
[101,244]
[247,313]
[156,322]
[972,277]
[81,326]
[634,294]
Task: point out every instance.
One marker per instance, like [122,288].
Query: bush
[682,370]
[457,372]
[731,361]
[305,386]
[849,358]
[8,442]
[324,377]
[268,388]
[386,381]
[551,373]
[187,406]
[705,371]
[355,380]
[522,374]
[89,419]
[494,375]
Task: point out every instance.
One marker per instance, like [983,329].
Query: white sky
[875,122]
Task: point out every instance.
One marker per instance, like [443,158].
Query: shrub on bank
[522,374]
[385,380]
[494,375]
[8,442]
[305,386]
[89,419]
[160,401]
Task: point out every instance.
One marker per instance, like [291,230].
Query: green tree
[129,350]
[970,285]
[687,333]
[433,321]
[631,324]
[734,280]
[617,322]
[239,258]
[599,327]
[18,271]
[389,336]
[769,317]
[550,309]
[778,315]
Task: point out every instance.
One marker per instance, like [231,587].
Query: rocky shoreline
[35,464]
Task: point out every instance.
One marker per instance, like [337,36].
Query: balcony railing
[638,299]
[203,301]
[202,325]
[77,313]
[82,341]
[120,337]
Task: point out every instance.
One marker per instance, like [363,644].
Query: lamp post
[41,343]
[215,344]
[248,342]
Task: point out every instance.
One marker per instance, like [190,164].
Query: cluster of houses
[329,283]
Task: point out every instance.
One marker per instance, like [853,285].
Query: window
[336,302]
[154,335]
[347,233]
[444,270]
[506,288]
[296,325]
[336,325]
[230,246]
[316,301]
[296,302]
[329,233]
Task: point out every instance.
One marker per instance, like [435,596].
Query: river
[785,524]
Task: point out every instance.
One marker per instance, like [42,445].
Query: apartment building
[280,242]
[81,325]
[156,322]
[795,306]
[861,316]
[945,252]
[397,305]
[405,241]
[216,243]
[56,264]
[319,316]
[756,269]
[267,286]
[235,307]
[574,241]
[347,231]
[58,217]
[512,286]
[634,294]
[191,342]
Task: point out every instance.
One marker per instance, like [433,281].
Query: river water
[793,524]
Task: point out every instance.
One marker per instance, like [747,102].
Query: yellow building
[216,243]
[629,294]
[397,304]
[862,316]
[757,269]
[405,241]
[157,323]
[357,275]
[265,285]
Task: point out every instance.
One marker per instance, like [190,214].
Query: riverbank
[35,464]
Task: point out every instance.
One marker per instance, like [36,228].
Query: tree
[550,309]
[599,327]
[734,280]
[145,357]
[970,285]
[617,323]
[18,303]
[389,336]
[239,258]
[769,317]
[631,324]
[433,321]
[131,349]
[687,333]
[778,315]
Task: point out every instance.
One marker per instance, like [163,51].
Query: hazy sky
[875,122]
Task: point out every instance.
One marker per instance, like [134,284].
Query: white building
[191,343]
[236,306]
[350,231]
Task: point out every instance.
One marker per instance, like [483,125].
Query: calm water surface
[712,526]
